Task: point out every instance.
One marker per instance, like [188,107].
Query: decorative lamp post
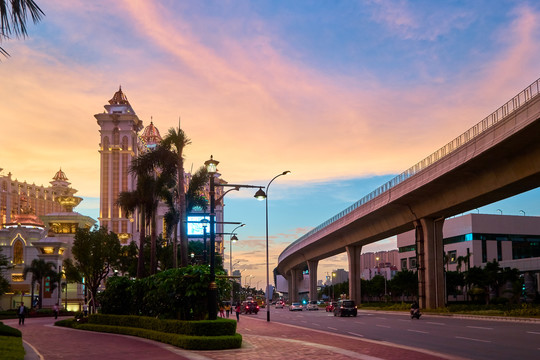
[232,239]
[211,167]
[261,195]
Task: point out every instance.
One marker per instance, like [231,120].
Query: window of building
[452,257]
[407,248]
[403,264]
[484,250]
[499,250]
[18,251]
[412,263]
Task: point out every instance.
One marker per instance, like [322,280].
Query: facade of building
[121,141]
[27,236]
[513,241]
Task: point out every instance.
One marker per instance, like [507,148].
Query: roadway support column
[312,269]
[429,257]
[293,285]
[355,272]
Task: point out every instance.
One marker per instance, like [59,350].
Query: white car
[296,306]
[279,305]
[312,305]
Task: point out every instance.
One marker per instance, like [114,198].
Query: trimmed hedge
[218,327]
[218,334]
[182,341]
[9,331]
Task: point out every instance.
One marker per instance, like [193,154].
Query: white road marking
[418,331]
[533,332]
[355,334]
[479,327]
[435,323]
[331,328]
[383,326]
[466,338]
[315,324]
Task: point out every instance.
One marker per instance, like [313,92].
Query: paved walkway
[261,340]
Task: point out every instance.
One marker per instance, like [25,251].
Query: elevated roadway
[497,158]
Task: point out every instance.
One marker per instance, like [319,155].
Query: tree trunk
[182,213]
[175,246]
[142,236]
[153,239]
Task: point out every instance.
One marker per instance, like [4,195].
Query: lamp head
[234,238]
[260,194]
[211,165]
[204,222]
[286,172]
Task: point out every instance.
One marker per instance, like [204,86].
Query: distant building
[513,241]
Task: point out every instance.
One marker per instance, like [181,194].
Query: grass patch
[11,348]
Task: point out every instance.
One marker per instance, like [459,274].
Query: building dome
[119,98]
[60,176]
[25,220]
[151,136]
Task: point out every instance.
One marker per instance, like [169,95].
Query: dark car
[250,307]
[345,308]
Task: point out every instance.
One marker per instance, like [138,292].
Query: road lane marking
[418,331]
[466,338]
[315,324]
[533,332]
[331,328]
[383,326]
[378,317]
[479,327]
[435,323]
[355,334]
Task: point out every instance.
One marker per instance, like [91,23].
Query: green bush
[182,341]
[9,331]
[216,327]
[12,348]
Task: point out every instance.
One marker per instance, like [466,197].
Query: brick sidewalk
[261,339]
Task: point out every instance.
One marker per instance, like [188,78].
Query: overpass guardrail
[517,102]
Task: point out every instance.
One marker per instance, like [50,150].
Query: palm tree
[40,270]
[13,15]
[175,141]
[138,199]
[157,169]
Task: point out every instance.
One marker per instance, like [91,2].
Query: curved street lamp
[232,239]
[261,195]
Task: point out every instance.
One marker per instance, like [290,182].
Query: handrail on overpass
[508,108]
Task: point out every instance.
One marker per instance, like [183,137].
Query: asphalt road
[469,338]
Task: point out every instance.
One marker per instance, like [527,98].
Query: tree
[95,253]
[404,283]
[175,141]
[40,270]
[13,17]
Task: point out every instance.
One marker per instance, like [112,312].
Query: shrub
[9,331]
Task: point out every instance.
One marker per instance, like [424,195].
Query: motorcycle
[415,313]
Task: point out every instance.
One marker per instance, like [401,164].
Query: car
[250,307]
[345,308]
[296,306]
[279,305]
[312,305]
[331,306]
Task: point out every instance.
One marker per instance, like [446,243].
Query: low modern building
[475,239]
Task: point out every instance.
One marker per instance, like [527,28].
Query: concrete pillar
[355,272]
[429,257]
[293,285]
[312,269]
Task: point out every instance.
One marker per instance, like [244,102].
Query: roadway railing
[508,108]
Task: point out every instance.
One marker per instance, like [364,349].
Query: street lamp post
[233,238]
[260,195]
[211,166]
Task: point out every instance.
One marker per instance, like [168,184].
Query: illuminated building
[120,144]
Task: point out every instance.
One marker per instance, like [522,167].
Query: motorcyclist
[415,309]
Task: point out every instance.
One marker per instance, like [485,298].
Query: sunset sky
[344,94]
